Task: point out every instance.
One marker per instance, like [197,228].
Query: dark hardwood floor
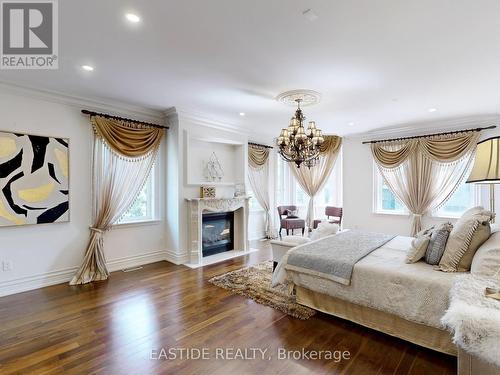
[115,327]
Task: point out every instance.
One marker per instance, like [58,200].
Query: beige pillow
[482,233]
[468,233]
[418,248]
[486,261]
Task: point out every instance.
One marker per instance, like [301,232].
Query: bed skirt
[428,337]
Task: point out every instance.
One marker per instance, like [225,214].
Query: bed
[385,293]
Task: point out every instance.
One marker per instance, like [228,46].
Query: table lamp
[486,168]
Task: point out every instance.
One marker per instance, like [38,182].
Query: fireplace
[217,233]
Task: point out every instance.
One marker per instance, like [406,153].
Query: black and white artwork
[34,179]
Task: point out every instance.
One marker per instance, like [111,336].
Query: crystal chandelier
[299,145]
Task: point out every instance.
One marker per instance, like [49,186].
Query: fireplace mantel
[200,205]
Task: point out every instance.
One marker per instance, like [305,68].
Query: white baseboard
[136,260]
[176,258]
[256,236]
[24,284]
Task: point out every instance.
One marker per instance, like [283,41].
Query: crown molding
[433,126]
[200,118]
[94,104]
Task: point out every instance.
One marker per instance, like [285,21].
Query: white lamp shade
[486,168]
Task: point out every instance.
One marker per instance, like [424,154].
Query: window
[143,208]
[288,190]
[253,203]
[386,202]
[464,198]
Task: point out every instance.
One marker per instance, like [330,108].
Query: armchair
[288,222]
[331,211]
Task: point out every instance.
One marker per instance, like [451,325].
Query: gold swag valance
[442,149]
[257,156]
[126,138]
[331,144]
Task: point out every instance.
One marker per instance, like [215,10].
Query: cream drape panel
[425,172]
[313,179]
[258,176]
[119,173]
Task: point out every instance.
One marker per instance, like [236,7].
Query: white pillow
[486,261]
[417,249]
[495,227]
[324,229]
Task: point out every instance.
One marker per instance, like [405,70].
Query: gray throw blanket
[334,257]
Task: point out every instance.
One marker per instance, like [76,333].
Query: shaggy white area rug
[474,319]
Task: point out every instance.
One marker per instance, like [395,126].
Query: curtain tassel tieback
[96,230]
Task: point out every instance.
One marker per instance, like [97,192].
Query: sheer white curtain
[117,180]
[313,179]
[258,176]
[424,173]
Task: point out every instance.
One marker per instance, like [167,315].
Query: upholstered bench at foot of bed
[280,247]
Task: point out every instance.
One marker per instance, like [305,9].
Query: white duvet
[382,280]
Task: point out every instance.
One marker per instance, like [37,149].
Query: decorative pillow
[469,232]
[486,261]
[417,249]
[482,233]
[437,243]
[425,232]
[324,229]
[495,228]
[292,214]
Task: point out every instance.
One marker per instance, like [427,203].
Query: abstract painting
[34,179]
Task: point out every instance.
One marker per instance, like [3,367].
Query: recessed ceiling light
[310,15]
[88,68]
[351,123]
[432,110]
[132,17]
[242,114]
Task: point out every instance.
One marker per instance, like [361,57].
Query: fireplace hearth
[217,233]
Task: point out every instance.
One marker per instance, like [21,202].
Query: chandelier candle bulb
[298,145]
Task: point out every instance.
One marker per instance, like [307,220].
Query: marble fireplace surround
[199,206]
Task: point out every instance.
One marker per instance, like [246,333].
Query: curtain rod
[431,135]
[91,113]
[259,145]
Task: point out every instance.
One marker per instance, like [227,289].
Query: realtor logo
[29,34]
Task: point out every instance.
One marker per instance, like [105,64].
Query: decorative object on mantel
[486,168]
[124,153]
[474,320]
[296,144]
[255,282]
[34,179]
[239,190]
[213,169]
[207,192]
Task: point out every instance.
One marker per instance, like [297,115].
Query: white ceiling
[376,63]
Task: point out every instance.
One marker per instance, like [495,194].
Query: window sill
[133,224]
[388,213]
[447,217]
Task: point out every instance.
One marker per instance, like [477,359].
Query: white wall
[50,253]
[358,169]
[183,127]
